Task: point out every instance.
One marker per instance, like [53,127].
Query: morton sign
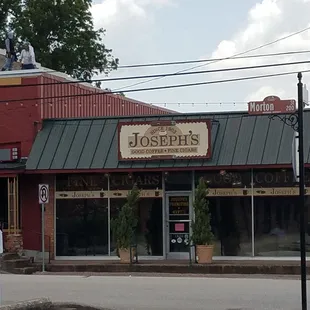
[164,139]
[272,105]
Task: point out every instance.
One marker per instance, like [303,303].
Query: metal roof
[237,140]
[19,165]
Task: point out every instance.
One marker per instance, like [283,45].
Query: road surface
[156,293]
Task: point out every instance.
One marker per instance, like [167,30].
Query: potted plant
[124,225]
[202,235]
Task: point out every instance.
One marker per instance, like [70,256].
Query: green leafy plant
[124,225]
[201,226]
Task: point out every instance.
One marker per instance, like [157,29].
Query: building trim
[10,173]
[68,171]
[161,258]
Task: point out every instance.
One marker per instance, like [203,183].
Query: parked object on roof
[10,52]
[27,57]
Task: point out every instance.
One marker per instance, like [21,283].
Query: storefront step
[13,263]
[25,270]
[9,256]
[275,268]
[16,263]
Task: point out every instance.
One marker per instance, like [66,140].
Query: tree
[125,223]
[7,8]
[201,226]
[63,36]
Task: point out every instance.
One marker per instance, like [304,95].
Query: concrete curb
[36,304]
[214,268]
[45,303]
[71,306]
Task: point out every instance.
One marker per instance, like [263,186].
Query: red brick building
[27,98]
[80,147]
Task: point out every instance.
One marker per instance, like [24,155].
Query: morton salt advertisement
[182,139]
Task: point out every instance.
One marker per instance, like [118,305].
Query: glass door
[179,215]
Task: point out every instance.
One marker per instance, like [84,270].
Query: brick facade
[14,243]
[50,215]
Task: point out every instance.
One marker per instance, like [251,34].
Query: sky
[148,31]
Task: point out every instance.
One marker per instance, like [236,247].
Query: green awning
[92,143]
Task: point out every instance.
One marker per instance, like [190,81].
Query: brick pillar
[14,243]
[50,215]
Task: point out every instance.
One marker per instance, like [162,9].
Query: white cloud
[113,11]
[118,12]
[263,92]
[129,25]
[135,34]
[264,10]
[268,21]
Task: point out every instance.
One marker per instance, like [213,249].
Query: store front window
[275,212]
[81,215]
[231,226]
[230,207]
[277,227]
[86,205]
[4,202]
[178,181]
[82,227]
[9,206]
[149,232]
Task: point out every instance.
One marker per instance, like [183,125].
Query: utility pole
[295,120]
[302,209]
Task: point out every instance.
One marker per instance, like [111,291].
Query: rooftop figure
[10,52]
[27,57]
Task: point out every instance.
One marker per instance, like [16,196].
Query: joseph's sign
[173,139]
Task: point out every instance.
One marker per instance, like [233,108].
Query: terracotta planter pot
[124,255]
[204,254]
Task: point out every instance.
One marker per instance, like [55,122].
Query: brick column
[50,215]
[14,243]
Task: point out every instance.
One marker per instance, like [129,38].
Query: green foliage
[7,8]
[62,34]
[201,226]
[124,225]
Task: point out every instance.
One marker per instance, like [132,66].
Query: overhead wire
[212,116]
[184,62]
[164,87]
[227,58]
[203,60]
[160,75]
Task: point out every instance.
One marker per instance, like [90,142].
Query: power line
[213,82]
[164,75]
[161,64]
[164,87]
[204,60]
[173,63]
[227,58]
[216,116]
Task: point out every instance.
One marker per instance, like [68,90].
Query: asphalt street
[156,293]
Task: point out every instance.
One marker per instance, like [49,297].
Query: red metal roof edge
[95,89]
